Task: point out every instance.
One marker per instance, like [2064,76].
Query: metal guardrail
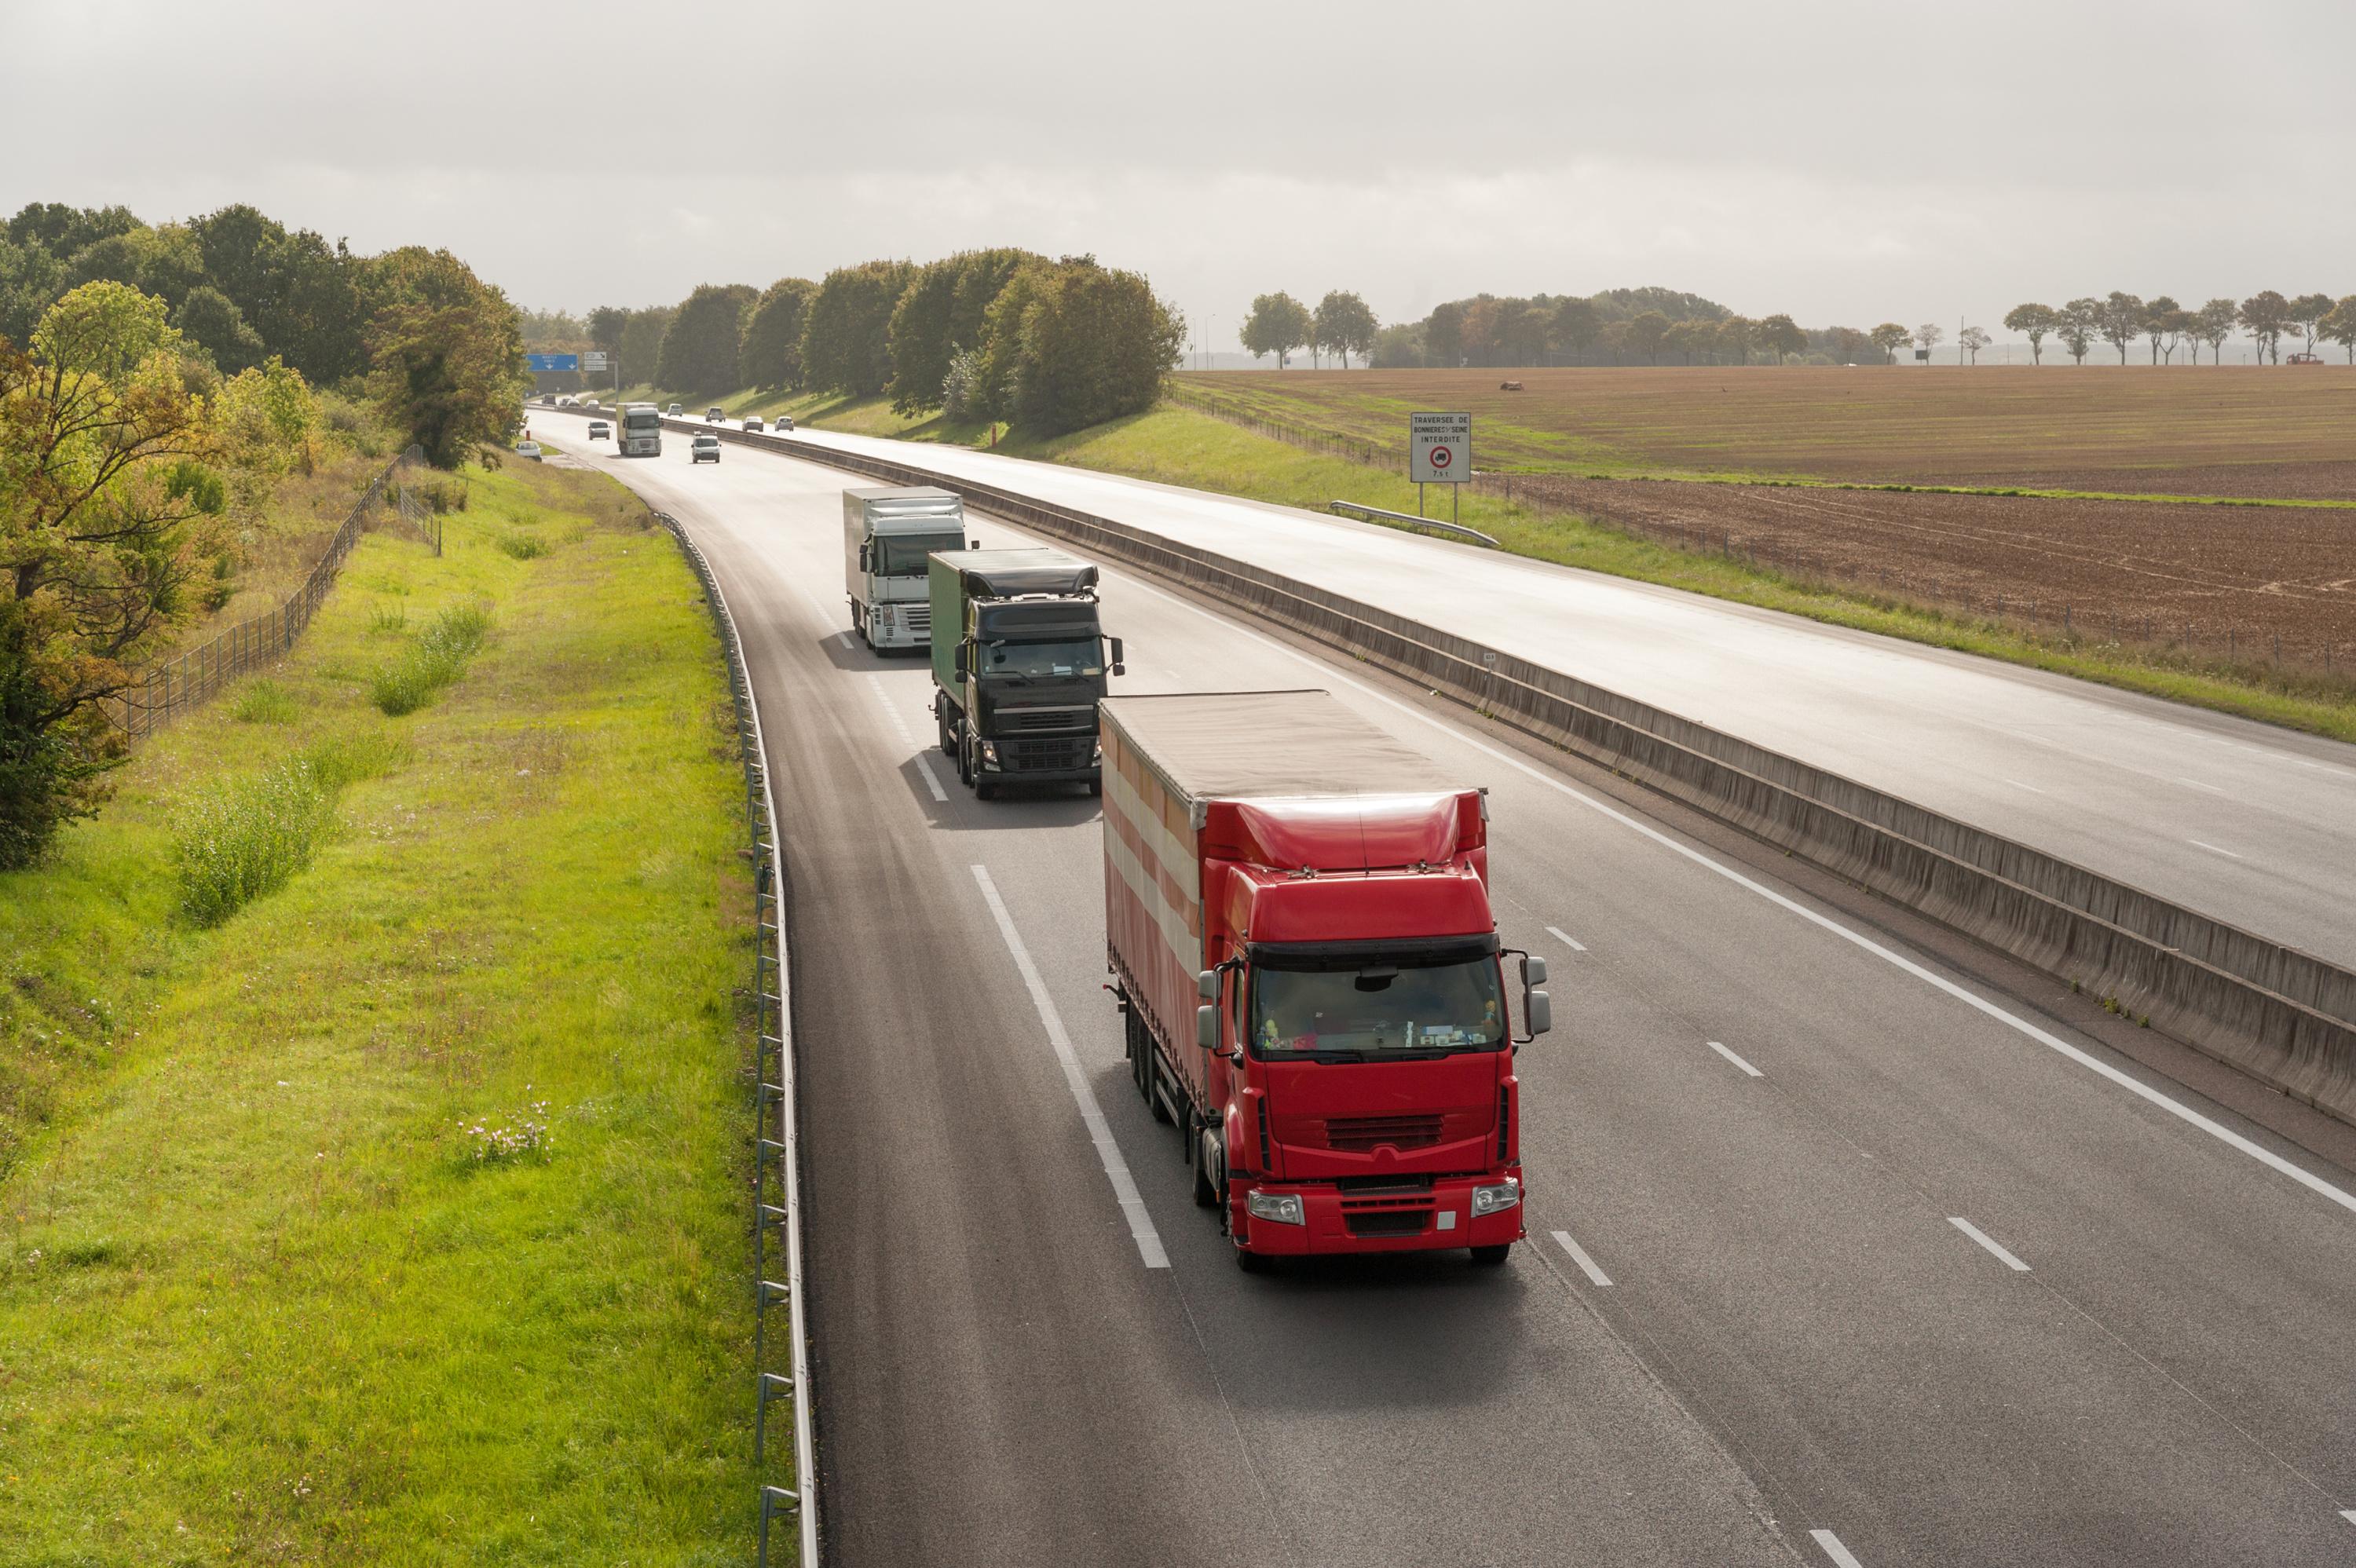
[1376,514]
[772,1052]
[192,679]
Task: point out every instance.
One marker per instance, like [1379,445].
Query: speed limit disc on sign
[1438,448]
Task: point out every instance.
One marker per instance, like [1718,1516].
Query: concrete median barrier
[2284,1017]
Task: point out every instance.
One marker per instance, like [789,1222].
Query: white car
[754,424]
[674,411]
[705,448]
[527,449]
[785,421]
[600,430]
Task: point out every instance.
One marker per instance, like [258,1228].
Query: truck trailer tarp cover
[1245,745]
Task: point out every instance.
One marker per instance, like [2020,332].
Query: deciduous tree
[769,355]
[2032,322]
[2265,316]
[847,334]
[1443,335]
[1277,323]
[2080,326]
[2212,324]
[2120,321]
[1574,327]
[1779,336]
[2306,313]
[1735,337]
[1344,325]
[212,322]
[1095,345]
[1889,338]
[450,376]
[2338,326]
[1971,340]
[699,349]
[1928,336]
[1645,331]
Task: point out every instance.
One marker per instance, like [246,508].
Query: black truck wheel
[1210,1171]
[1491,1257]
[949,736]
[1254,1262]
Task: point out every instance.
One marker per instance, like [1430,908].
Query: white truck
[887,533]
[640,430]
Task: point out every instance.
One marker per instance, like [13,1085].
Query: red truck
[1298,924]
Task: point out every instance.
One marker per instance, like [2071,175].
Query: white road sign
[593,359]
[1438,448]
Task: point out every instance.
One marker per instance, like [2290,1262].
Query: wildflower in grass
[506,1136]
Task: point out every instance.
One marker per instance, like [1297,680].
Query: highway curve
[1883,1255]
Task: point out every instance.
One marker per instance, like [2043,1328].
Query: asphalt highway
[1837,1255]
[2241,821]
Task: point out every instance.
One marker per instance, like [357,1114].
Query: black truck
[1019,660]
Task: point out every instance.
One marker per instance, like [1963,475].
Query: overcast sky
[1846,161]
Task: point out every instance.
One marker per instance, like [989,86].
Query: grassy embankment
[266,1291]
[1179,445]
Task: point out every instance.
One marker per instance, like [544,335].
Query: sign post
[1440,452]
[593,362]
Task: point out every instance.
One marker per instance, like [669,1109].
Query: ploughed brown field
[2268,431]
[2220,578]
[2226,576]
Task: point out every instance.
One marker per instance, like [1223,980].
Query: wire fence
[2245,652]
[776,1142]
[190,679]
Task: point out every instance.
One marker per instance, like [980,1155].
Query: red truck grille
[1392,1222]
[1359,1134]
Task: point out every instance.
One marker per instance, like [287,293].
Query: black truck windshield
[903,555]
[1068,656]
[1379,1009]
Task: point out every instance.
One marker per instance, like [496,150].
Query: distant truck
[640,434]
[1019,663]
[886,534]
[1298,924]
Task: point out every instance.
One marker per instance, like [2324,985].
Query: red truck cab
[1298,922]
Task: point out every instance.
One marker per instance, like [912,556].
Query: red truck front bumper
[1337,1219]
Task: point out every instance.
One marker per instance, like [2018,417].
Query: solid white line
[1735,1060]
[2349,1514]
[1984,1239]
[1579,1256]
[2196,784]
[925,766]
[2030,788]
[1116,1169]
[2214,851]
[2045,1038]
[1566,939]
[1834,1548]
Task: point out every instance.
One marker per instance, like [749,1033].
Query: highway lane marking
[1834,1548]
[2030,788]
[924,763]
[1566,939]
[2214,851]
[1579,1256]
[1746,1067]
[2044,1037]
[1985,1240]
[2349,1514]
[1116,1168]
[2196,784]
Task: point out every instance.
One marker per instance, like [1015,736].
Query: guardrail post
[774,1500]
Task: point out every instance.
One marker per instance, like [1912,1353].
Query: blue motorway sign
[539,362]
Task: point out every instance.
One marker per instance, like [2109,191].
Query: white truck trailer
[886,536]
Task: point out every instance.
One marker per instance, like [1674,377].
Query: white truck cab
[888,535]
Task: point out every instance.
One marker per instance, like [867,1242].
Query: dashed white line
[925,766]
[2196,784]
[1566,939]
[2030,788]
[2044,1037]
[1985,1240]
[900,725]
[1746,1067]
[2214,851]
[1834,1548]
[1579,1256]
[1116,1169]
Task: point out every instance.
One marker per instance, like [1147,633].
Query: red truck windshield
[1382,1008]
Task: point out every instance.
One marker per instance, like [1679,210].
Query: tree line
[157,383]
[1656,326]
[2119,319]
[1049,344]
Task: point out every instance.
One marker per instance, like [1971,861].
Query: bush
[438,658]
[263,702]
[524,547]
[49,773]
[241,840]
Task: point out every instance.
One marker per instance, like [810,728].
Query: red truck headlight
[1282,1208]
[1497,1197]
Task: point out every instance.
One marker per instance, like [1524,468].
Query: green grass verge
[1181,446]
[286,1273]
